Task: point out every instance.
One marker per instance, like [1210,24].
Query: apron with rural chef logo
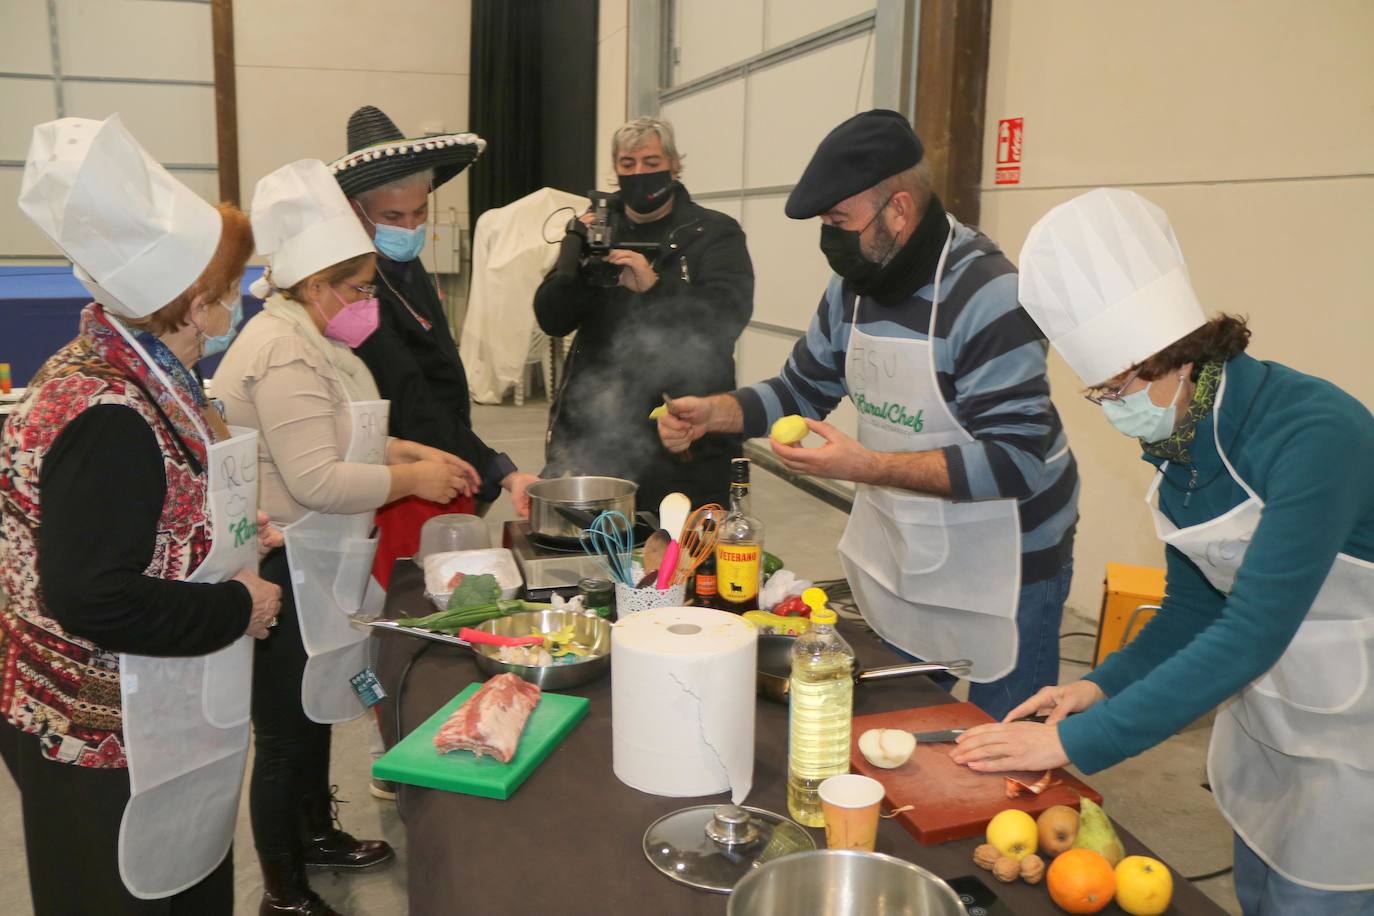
[1292,755]
[330,558]
[186,719]
[936,578]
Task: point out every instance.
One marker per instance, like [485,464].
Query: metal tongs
[467,637]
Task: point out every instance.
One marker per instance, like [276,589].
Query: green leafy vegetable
[473,591]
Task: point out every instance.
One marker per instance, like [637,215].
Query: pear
[1096,832]
[1058,827]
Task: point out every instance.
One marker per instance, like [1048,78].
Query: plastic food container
[449,533]
[498,561]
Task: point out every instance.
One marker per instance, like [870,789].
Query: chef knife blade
[939,737]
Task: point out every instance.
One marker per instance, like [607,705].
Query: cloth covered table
[568,841]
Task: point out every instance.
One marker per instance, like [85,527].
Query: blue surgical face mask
[1139,417]
[396,242]
[220,342]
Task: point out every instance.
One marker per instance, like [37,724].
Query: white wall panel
[794,104]
[612,75]
[24,44]
[23,103]
[708,126]
[790,273]
[416,36]
[174,123]
[785,20]
[18,234]
[146,39]
[711,34]
[286,115]
[1116,93]
[731,206]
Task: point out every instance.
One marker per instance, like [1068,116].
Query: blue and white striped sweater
[990,366]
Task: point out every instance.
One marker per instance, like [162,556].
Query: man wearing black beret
[960,541]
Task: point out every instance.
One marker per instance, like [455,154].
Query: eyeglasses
[368,290]
[1102,393]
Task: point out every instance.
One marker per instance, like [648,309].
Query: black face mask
[645,192]
[844,251]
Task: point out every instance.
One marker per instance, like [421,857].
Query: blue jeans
[1264,892]
[1039,610]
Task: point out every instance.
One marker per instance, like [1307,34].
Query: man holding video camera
[658,289]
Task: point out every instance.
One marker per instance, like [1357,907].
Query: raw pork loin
[491,720]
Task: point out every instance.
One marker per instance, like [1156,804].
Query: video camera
[599,239]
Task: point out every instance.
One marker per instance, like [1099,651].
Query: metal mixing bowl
[589,632]
[843,882]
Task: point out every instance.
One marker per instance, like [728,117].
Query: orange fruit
[1081,881]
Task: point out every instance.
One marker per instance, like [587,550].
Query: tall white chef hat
[1104,278]
[136,236]
[302,222]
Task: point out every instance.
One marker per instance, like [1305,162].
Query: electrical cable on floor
[1211,874]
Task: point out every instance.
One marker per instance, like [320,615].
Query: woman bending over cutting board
[1265,501]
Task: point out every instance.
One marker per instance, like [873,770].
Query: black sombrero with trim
[378,153]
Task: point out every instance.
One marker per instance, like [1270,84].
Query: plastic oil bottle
[820,711]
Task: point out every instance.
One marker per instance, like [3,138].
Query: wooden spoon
[654,548]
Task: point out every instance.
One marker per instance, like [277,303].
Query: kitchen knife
[940,737]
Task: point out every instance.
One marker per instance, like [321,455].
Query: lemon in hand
[789,430]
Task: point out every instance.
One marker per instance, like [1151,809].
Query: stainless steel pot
[562,506]
[775,667]
[843,882]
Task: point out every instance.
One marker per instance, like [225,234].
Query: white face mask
[1139,417]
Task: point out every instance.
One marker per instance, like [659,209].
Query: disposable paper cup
[850,803]
[632,600]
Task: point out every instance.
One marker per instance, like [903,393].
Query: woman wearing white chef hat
[1265,502]
[132,593]
[327,465]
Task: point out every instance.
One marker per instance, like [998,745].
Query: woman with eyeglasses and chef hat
[1264,499]
[131,542]
[327,465]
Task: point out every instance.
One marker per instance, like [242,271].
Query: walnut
[1006,869]
[1032,869]
[985,855]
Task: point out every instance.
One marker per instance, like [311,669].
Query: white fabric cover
[510,256]
[136,236]
[1104,277]
[302,223]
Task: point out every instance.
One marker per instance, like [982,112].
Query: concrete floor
[1157,796]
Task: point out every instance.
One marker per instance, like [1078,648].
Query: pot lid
[713,846]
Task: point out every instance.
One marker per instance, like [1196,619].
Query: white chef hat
[1104,278]
[302,222]
[136,236]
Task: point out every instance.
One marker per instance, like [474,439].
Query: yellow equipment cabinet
[1130,597]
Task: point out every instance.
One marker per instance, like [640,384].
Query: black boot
[285,890]
[327,846]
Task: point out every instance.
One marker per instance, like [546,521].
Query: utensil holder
[630,600]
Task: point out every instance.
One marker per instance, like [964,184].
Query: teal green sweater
[1307,448]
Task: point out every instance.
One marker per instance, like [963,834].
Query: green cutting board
[415,761]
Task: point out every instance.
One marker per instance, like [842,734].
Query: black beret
[854,157]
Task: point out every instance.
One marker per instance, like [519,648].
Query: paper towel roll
[682,702]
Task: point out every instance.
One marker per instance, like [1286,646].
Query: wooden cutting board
[415,761]
[952,802]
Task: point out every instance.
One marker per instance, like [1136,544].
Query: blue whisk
[611,539]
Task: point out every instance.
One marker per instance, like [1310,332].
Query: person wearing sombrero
[413,358]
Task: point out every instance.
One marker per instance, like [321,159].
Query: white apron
[330,558]
[1292,755]
[186,719]
[938,579]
